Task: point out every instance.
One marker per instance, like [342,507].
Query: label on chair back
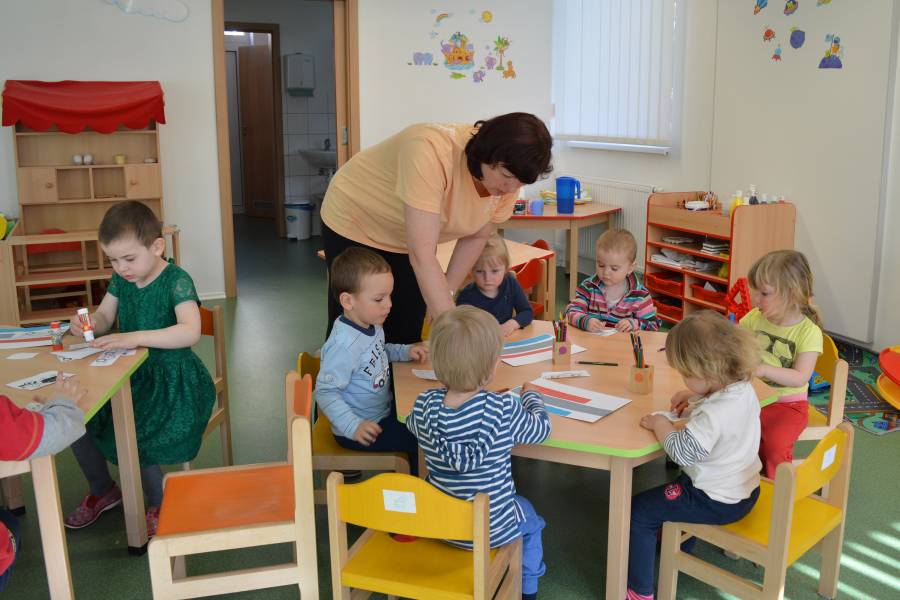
[395,501]
[828,457]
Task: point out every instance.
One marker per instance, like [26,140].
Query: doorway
[252,69]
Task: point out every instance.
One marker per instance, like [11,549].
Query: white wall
[55,39]
[303,27]
[394,94]
[687,166]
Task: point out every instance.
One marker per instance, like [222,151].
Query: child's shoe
[152,520]
[92,507]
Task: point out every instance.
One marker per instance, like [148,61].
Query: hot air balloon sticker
[790,7]
[760,4]
[768,34]
[798,36]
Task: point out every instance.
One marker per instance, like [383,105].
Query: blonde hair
[705,345]
[465,345]
[617,240]
[494,250]
[788,272]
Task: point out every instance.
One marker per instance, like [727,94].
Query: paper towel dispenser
[299,74]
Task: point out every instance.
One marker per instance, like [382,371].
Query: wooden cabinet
[50,273]
[704,275]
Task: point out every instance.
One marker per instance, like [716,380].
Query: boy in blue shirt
[353,387]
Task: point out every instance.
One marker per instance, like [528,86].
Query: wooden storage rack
[751,232]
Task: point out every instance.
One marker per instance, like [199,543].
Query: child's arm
[643,315]
[184,334]
[399,352]
[334,376]
[682,445]
[579,313]
[796,376]
[103,319]
[530,421]
[59,422]
[524,312]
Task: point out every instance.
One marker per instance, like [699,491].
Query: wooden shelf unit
[751,232]
[39,271]
[81,268]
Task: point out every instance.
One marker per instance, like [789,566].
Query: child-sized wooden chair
[328,455]
[531,277]
[212,324]
[787,521]
[425,567]
[833,369]
[209,510]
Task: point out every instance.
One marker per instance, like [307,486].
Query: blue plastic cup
[536,207]
[567,189]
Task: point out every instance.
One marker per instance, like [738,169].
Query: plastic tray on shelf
[667,282]
[702,293]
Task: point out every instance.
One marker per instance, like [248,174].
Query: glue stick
[87,327]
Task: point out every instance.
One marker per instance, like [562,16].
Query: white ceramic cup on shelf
[76,159]
[88,159]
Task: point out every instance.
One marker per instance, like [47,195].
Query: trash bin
[298,217]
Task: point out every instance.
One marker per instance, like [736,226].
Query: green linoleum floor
[281,311]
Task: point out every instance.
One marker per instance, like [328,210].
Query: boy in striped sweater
[612,297]
[467,433]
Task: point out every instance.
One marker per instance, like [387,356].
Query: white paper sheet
[109,357]
[67,355]
[21,356]
[529,359]
[36,382]
[564,374]
[424,374]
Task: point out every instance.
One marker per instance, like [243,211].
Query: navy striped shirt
[467,449]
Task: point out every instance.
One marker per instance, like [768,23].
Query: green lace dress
[172,392]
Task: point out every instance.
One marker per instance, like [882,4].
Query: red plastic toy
[737,308]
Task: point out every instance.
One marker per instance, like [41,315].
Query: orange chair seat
[324,444]
[228,498]
[424,568]
[811,517]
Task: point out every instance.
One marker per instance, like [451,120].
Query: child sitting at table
[353,387]
[44,428]
[612,296]
[496,290]
[717,446]
[788,329]
[157,307]
[467,432]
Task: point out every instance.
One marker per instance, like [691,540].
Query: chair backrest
[308,364]
[298,404]
[823,463]
[835,371]
[827,361]
[300,456]
[212,324]
[529,275]
[542,244]
[404,504]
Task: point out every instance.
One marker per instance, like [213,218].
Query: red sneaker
[92,507]
[152,520]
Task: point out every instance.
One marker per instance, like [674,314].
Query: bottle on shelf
[753,199]
[737,200]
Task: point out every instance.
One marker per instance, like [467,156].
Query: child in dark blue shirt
[496,290]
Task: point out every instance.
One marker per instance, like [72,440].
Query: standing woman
[431,183]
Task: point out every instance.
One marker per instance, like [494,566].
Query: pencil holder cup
[640,380]
[562,353]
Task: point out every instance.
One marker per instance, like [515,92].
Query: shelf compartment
[73,184]
[704,304]
[665,282]
[63,277]
[109,184]
[33,149]
[709,222]
[48,315]
[674,313]
[693,250]
[697,274]
[701,293]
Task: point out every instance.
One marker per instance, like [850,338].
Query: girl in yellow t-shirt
[788,329]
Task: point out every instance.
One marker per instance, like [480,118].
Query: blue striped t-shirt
[467,449]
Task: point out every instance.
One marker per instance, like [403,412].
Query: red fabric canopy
[76,105]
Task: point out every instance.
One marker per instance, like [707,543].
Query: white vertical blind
[613,63]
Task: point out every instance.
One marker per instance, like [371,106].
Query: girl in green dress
[172,392]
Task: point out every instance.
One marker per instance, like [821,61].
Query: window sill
[664,150]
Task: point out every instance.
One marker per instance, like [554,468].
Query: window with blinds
[613,73]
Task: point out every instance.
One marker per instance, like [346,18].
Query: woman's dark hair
[518,141]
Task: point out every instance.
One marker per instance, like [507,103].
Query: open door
[346,77]
[258,150]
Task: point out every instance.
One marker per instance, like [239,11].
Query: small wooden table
[102,384]
[585,215]
[519,254]
[616,443]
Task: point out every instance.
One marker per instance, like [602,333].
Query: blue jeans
[677,501]
[394,437]
[533,566]
[9,519]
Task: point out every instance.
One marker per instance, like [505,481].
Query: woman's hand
[117,341]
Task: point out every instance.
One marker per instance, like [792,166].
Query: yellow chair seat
[423,568]
[324,444]
[811,518]
[816,419]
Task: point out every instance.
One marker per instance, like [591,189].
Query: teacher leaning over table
[431,183]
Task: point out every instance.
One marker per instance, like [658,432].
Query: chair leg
[179,568]
[668,558]
[11,494]
[773,582]
[160,570]
[225,437]
[830,549]
[186,466]
[515,572]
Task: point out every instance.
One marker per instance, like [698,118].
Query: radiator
[632,197]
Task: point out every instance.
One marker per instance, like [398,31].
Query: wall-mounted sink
[320,159]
